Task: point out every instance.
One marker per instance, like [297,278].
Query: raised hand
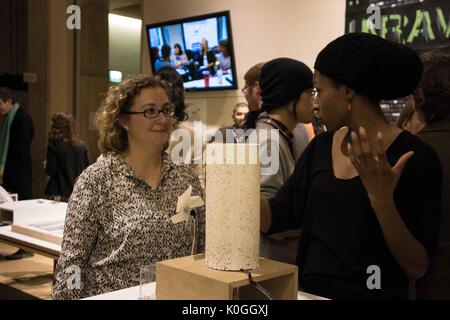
[378,177]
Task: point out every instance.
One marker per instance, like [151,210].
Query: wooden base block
[189,278]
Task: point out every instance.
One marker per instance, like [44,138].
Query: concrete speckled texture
[232,213]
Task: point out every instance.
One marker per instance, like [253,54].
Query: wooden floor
[33,275]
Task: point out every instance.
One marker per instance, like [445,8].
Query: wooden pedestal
[189,278]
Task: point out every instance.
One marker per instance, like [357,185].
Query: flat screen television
[200,49]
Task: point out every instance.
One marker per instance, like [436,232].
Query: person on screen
[224,56]
[154,56]
[179,58]
[206,60]
[164,60]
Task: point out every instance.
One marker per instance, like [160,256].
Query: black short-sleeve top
[341,237]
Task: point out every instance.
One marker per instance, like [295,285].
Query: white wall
[262,30]
[124,44]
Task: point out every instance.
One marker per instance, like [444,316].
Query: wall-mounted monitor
[200,49]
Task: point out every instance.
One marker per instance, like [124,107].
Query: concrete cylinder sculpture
[232,206]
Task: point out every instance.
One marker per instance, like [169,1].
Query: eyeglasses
[314,94]
[244,90]
[151,113]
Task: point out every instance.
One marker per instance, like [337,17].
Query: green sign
[421,25]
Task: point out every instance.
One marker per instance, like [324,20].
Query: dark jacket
[211,58]
[436,284]
[17,177]
[65,162]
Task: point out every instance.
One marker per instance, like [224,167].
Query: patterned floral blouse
[117,223]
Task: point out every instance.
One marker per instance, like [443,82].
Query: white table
[27,212]
[32,211]
[45,248]
[133,294]
[52,251]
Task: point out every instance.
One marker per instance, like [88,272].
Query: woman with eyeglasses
[118,217]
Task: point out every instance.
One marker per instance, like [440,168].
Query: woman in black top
[366,194]
[67,157]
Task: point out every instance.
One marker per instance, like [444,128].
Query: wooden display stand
[189,278]
[48,231]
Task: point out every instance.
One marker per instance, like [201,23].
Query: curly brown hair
[119,100]
[433,93]
[63,128]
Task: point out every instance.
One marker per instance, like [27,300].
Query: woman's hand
[378,177]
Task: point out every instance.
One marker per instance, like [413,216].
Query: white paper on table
[5,196]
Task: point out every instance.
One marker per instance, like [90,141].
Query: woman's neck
[144,161]
[283,115]
[373,121]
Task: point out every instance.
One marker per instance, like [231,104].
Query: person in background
[179,58]
[240,110]
[252,93]
[432,99]
[164,60]
[409,119]
[16,136]
[4,198]
[234,133]
[118,217]
[67,157]
[286,91]
[154,56]
[366,194]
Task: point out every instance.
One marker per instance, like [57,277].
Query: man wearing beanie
[286,88]
[366,194]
